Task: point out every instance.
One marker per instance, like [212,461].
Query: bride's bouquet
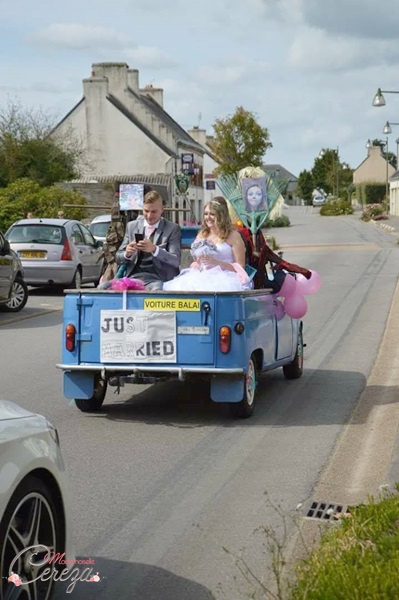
[203,248]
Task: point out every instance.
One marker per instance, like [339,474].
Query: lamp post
[379,99]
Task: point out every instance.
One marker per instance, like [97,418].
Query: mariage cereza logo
[53,567]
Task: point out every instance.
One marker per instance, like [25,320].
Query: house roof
[131,116]
[180,133]
[155,179]
[283,172]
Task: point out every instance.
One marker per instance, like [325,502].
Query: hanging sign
[182,183]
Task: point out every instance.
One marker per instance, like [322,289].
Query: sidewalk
[391,224]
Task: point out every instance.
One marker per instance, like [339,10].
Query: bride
[219,256]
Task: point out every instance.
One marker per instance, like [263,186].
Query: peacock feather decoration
[232,189]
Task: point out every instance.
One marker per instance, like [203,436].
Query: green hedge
[370,193]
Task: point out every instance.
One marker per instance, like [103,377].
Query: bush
[336,207]
[25,196]
[358,559]
[372,210]
[282,221]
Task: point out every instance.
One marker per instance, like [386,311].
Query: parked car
[99,226]
[34,503]
[13,289]
[56,252]
[318,200]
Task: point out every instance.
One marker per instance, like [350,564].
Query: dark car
[13,289]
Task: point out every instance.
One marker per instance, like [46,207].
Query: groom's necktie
[149,230]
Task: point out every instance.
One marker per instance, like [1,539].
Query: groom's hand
[146,246]
[131,249]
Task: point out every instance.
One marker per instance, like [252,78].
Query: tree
[305,185]
[28,150]
[239,142]
[23,196]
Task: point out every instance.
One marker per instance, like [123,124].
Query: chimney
[133,79]
[199,135]
[116,73]
[155,93]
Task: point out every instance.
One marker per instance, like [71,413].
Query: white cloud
[150,57]
[79,36]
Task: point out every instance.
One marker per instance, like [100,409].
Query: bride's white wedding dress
[210,279]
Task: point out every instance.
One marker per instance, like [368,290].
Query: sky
[307,69]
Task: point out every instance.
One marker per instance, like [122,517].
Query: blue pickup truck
[140,337]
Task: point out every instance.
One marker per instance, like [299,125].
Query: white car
[318,200]
[99,227]
[34,506]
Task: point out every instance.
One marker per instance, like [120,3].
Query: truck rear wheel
[245,408]
[94,403]
[295,368]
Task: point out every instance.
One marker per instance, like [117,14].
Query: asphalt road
[171,496]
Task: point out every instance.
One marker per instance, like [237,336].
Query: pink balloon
[308,286]
[295,306]
[289,286]
[279,310]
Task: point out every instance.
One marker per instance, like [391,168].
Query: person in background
[61,214]
[29,215]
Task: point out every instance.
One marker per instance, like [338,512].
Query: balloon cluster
[294,290]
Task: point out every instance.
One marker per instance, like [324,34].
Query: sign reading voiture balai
[137,336]
[188,304]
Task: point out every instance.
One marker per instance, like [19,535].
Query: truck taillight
[225,339]
[66,251]
[70,333]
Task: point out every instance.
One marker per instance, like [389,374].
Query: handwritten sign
[137,336]
[187,304]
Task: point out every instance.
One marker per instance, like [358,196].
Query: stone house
[127,135]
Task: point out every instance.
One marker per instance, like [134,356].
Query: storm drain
[327,511]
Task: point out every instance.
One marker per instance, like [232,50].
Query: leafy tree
[239,141]
[305,185]
[28,150]
[23,196]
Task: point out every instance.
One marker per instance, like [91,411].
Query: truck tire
[245,408]
[295,368]
[94,403]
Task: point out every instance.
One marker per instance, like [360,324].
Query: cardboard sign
[137,336]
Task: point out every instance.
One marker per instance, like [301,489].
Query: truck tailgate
[142,328]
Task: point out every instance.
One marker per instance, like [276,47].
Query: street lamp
[379,99]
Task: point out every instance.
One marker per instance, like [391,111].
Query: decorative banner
[137,336]
[254,193]
[131,196]
[182,183]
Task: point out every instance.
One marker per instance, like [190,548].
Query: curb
[384,226]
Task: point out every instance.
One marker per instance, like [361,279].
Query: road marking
[17,319]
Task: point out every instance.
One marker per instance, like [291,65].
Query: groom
[154,256]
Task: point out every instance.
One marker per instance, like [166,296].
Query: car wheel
[77,280]
[19,296]
[94,403]
[294,369]
[245,408]
[31,525]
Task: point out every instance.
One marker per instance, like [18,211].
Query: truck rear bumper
[179,371]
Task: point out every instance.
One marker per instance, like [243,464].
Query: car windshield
[99,229]
[36,234]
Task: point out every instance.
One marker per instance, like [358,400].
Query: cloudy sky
[308,69]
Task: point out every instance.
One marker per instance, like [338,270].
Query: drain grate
[327,511]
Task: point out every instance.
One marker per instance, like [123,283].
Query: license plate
[187,330]
[33,254]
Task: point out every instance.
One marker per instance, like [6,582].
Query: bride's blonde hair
[218,206]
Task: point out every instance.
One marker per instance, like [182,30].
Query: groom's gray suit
[164,266]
